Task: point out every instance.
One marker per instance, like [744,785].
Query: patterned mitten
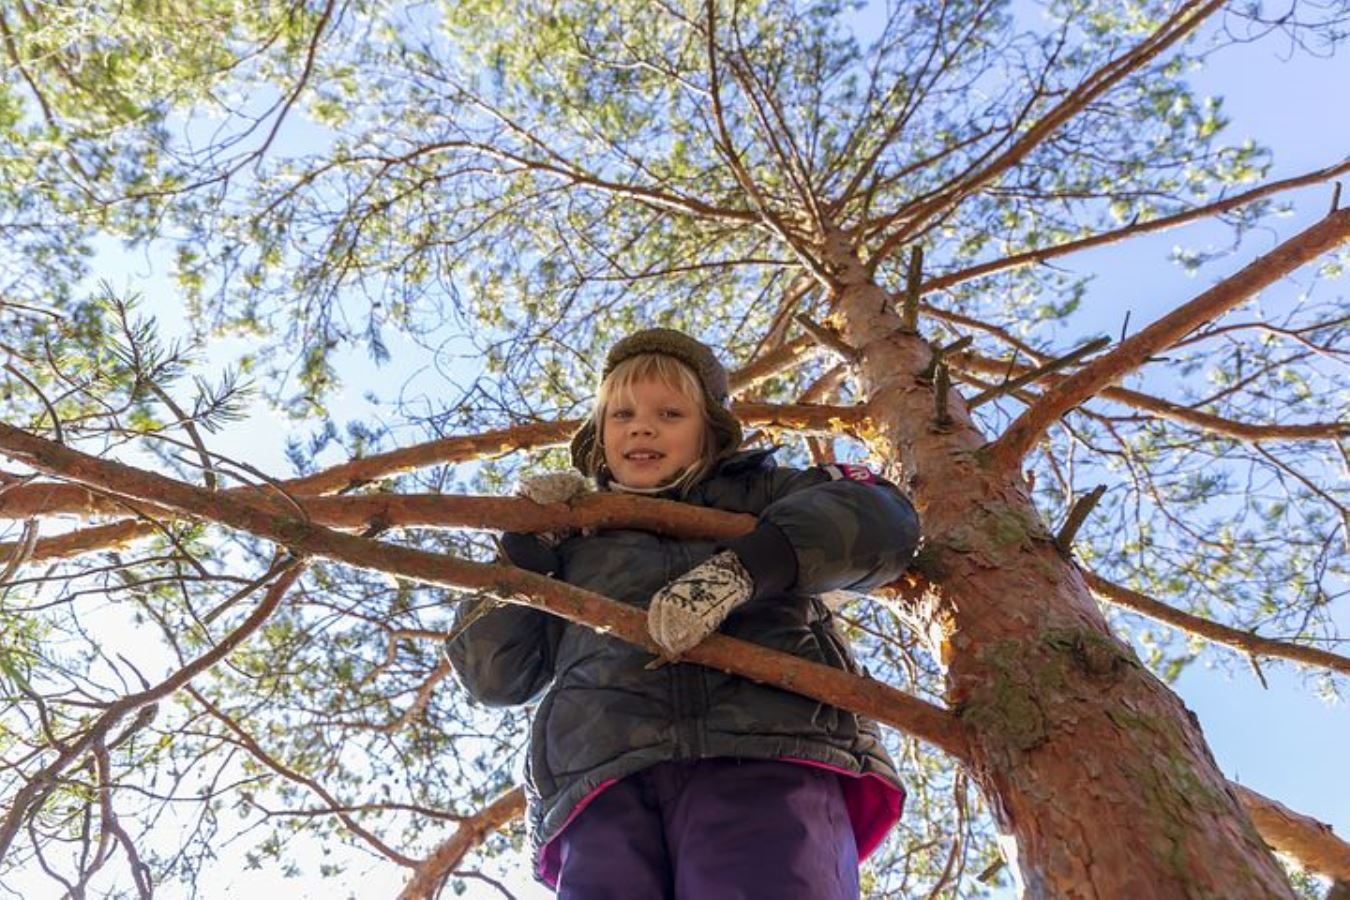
[553,487]
[692,606]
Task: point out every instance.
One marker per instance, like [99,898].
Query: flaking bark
[1096,773]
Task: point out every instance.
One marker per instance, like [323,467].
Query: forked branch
[918,216]
[1134,351]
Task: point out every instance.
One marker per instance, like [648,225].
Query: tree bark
[429,875]
[1097,775]
[1307,840]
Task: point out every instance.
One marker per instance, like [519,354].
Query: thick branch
[833,686]
[460,448]
[599,510]
[788,356]
[358,512]
[50,498]
[1117,595]
[1307,840]
[1134,351]
[432,872]
[808,418]
[22,501]
[87,540]
[457,448]
[1166,409]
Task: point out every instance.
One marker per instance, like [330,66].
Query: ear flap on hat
[726,428]
[586,454]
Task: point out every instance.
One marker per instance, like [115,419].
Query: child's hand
[692,606]
[553,487]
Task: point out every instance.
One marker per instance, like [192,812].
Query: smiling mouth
[643,456]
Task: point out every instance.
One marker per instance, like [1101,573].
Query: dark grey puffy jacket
[605,715]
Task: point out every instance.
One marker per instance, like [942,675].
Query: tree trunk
[1097,775]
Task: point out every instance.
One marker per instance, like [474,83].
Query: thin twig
[1078,514]
[913,289]
[827,339]
[1053,365]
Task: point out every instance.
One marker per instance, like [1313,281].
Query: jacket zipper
[686,679]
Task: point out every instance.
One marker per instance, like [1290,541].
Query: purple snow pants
[713,829]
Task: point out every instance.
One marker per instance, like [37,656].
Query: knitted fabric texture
[692,606]
[553,487]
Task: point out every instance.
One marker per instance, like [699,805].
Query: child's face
[651,435]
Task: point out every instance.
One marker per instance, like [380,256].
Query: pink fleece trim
[873,803]
[550,856]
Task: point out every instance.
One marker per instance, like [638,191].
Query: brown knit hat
[588,456]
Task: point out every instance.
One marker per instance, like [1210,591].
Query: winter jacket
[604,715]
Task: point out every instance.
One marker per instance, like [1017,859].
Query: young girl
[679,781]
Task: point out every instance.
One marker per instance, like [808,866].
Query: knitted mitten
[553,487]
[692,606]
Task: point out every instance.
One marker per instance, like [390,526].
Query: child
[679,781]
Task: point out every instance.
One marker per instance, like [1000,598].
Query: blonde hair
[668,370]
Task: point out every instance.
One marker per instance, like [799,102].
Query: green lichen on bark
[1004,709]
[1010,525]
[1095,654]
[1019,679]
[997,530]
[290,529]
[1175,792]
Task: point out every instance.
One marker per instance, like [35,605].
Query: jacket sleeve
[828,528]
[505,656]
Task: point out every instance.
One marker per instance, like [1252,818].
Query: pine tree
[861,206]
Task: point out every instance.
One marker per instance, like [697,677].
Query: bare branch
[1135,350]
[142,703]
[87,540]
[829,685]
[460,448]
[1134,229]
[1181,23]
[431,873]
[1039,372]
[771,219]
[1245,641]
[1307,840]
[1166,409]
[456,448]
[788,356]
[828,339]
[338,808]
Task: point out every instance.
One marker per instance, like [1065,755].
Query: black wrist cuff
[528,552]
[768,556]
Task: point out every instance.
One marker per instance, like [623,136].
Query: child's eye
[673,413]
[620,413]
